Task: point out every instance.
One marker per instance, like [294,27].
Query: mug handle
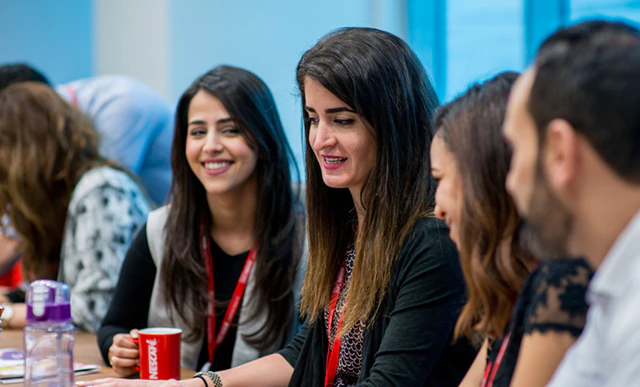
[136,342]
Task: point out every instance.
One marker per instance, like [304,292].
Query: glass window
[483,38]
[614,9]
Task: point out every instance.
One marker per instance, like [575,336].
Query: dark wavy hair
[279,225]
[46,146]
[588,74]
[20,72]
[471,128]
[377,75]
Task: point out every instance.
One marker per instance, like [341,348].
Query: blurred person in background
[74,212]
[574,125]
[525,313]
[232,203]
[135,125]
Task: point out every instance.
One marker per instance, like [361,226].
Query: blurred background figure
[74,212]
[135,125]
[134,122]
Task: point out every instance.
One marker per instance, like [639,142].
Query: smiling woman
[383,286]
[216,149]
[232,207]
[344,147]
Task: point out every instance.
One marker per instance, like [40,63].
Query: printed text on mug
[153,359]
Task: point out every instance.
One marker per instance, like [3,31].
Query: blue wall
[427,35]
[54,36]
[615,9]
[483,38]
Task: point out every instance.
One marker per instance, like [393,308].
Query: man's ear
[560,154]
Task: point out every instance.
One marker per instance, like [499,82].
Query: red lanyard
[333,353]
[235,299]
[492,368]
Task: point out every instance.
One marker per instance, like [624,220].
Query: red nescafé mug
[159,353]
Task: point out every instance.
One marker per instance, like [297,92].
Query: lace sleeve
[558,303]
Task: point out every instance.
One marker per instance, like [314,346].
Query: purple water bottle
[49,336]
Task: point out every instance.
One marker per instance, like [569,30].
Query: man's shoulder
[623,311]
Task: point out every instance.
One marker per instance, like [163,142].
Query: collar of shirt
[621,267]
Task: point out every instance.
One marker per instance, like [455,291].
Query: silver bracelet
[217,382]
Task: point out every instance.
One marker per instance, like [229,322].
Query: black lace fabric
[552,300]
[559,300]
[350,360]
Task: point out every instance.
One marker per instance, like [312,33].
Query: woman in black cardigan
[384,286]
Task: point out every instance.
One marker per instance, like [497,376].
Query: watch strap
[217,382]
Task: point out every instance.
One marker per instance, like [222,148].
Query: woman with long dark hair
[384,285]
[232,206]
[74,212]
[524,313]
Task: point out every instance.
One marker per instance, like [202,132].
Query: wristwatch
[7,315]
[217,382]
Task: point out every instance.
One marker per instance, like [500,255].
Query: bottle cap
[48,301]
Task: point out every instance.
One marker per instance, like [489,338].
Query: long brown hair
[376,74]
[46,146]
[471,127]
[279,219]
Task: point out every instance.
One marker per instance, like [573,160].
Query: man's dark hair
[20,72]
[589,75]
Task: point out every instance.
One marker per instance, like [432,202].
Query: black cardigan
[410,342]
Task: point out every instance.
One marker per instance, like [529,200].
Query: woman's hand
[124,354]
[132,383]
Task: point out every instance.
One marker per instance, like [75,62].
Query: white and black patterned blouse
[350,359]
[106,209]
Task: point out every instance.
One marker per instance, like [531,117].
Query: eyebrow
[331,110]
[202,122]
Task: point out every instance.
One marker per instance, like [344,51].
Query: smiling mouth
[334,160]
[217,165]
